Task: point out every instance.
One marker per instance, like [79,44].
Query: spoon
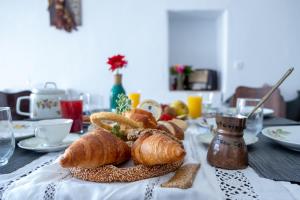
[267,96]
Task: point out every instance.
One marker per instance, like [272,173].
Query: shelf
[196,91]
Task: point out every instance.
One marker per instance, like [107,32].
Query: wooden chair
[276,101]
[293,108]
[10,100]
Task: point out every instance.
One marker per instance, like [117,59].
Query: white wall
[193,39]
[263,34]
[222,41]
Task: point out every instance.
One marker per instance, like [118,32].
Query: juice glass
[72,109]
[195,106]
[135,99]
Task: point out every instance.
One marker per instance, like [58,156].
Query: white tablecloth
[45,179]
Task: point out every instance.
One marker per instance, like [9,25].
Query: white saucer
[287,136]
[207,138]
[38,145]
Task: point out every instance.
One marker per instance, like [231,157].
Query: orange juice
[195,106]
[135,99]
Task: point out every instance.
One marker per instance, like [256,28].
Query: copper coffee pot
[228,149]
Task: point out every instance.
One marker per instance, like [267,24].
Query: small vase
[115,91]
[179,82]
[186,84]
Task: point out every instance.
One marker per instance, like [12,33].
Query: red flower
[117,61]
[166,117]
[179,69]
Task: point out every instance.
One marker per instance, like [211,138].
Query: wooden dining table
[22,157]
[215,177]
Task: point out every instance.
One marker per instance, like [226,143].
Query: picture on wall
[65,14]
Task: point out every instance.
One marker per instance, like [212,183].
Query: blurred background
[249,42]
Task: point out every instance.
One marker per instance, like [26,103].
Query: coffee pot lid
[50,88]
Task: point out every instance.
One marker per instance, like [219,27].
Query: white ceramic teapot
[44,103]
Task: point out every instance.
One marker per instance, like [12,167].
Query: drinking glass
[195,106]
[254,123]
[135,99]
[7,139]
[72,109]
[211,104]
[208,101]
[96,104]
[86,100]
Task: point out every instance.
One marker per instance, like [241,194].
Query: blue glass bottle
[115,91]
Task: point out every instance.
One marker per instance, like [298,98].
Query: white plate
[23,129]
[288,136]
[38,145]
[207,138]
[266,111]
[204,122]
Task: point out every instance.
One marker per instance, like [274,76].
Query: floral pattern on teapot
[46,103]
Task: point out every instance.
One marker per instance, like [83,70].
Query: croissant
[155,148]
[142,116]
[95,149]
[171,128]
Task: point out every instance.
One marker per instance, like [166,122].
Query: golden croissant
[155,148]
[95,149]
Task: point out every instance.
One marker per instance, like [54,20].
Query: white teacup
[53,131]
